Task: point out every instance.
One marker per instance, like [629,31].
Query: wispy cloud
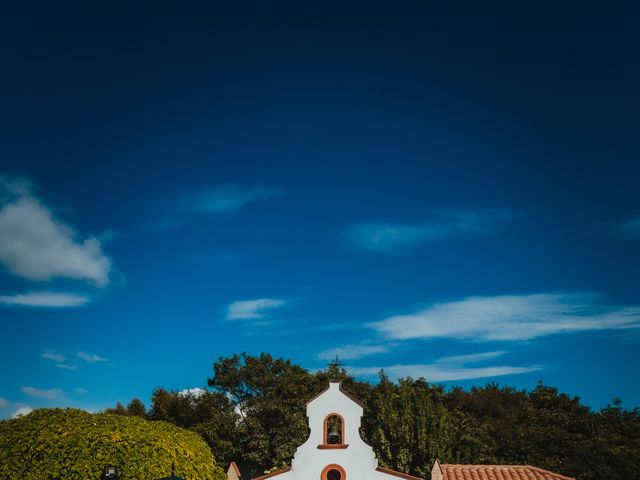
[452,368]
[67,366]
[441,373]
[4,402]
[91,357]
[510,317]
[227,198]
[398,238]
[45,299]
[352,352]
[59,359]
[22,411]
[53,356]
[253,309]
[49,394]
[38,246]
[194,392]
[630,228]
[215,200]
[470,358]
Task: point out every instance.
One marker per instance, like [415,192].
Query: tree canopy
[73,444]
[254,414]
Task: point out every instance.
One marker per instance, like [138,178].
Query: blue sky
[440,192]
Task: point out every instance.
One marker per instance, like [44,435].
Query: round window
[334,474]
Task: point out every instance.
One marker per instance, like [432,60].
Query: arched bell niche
[334,430]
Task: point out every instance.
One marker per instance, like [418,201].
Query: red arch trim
[326,428]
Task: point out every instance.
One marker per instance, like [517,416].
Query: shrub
[73,444]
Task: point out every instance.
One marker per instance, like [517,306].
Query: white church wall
[355,458]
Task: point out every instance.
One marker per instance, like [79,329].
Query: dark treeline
[254,413]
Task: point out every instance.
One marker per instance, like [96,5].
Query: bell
[334,435]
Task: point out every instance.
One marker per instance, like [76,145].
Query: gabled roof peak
[338,386]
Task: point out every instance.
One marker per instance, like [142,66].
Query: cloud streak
[59,359]
[53,356]
[226,198]
[510,317]
[452,368]
[253,309]
[352,352]
[399,238]
[215,200]
[50,394]
[91,357]
[630,228]
[45,299]
[439,373]
[38,246]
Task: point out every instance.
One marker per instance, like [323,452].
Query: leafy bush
[73,444]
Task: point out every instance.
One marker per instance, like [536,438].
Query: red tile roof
[273,474]
[406,476]
[497,472]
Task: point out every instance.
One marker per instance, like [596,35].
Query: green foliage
[270,395]
[255,415]
[408,424]
[210,414]
[75,445]
[137,408]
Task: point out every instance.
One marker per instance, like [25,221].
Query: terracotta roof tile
[498,472]
[406,476]
[273,474]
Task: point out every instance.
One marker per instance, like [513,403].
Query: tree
[270,396]
[117,410]
[408,425]
[210,414]
[255,415]
[75,445]
[137,408]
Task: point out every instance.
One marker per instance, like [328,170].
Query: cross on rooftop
[336,363]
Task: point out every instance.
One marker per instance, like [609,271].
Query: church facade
[335,451]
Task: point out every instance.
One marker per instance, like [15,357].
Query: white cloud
[194,392]
[67,366]
[226,198]
[510,317]
[36,245]
[53,356]
[472,358]
[50,394]
[80,391]
[91,357]
[352,352]
[385,237]
[59,359]
[253,309]
[45,299]
[214,200]
[22,411]
[398,238]
[4,402]
[439,373]
[450,368]
[630,228]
